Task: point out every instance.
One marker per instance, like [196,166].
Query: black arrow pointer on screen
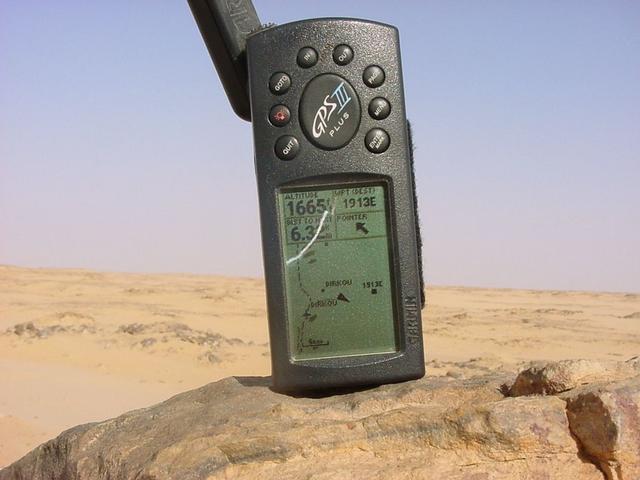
[342,297]
[361,228]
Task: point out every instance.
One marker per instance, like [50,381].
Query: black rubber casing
[274,50]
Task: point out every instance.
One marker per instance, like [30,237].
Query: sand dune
[79,346]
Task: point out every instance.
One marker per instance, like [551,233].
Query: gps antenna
[224,26]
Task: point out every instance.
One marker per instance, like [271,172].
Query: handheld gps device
[337,197]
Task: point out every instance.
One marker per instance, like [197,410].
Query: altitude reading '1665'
[307,207]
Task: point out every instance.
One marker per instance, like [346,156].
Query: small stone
[211,358]
[147,342]
[27,328]
[132,329]
[556,377]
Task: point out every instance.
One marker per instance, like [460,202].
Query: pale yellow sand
[79,346]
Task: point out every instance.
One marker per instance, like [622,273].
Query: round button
[307,57]
[329,111]
[279,83]
[342,54]
[373,76]
[279,115]
[287,147]
[377,140]
[379,108]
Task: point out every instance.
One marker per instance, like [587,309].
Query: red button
[279,116]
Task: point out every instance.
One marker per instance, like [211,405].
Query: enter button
[377,140]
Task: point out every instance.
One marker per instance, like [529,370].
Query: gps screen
[337,278]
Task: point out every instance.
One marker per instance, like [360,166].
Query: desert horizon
[261,278]
[78,345]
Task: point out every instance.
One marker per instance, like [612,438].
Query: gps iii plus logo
[329,111]
[338,99]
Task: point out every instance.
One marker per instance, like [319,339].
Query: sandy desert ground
[79,346]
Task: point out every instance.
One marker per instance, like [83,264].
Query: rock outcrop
[575,419]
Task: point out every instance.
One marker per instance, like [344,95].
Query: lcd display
[337,277]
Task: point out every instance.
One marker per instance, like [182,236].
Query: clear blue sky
[118,150]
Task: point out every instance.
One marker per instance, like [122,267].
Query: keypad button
[287,147]
[279,115]
[379,108]
[342,54]
[279,83]
[307,57]
[377,140]
[373,76]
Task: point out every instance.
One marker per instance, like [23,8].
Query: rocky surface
[573,419]
[558,377]
[605,419]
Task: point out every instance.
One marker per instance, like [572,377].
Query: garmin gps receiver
[337,198]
